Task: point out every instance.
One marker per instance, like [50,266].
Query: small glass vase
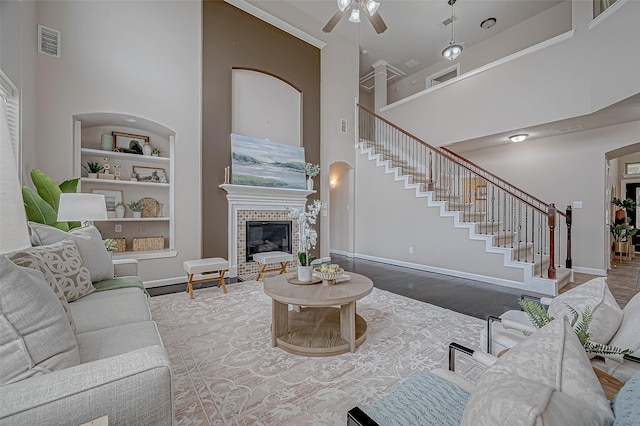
[305,273]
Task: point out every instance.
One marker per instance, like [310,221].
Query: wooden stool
[263,259]
[213,265]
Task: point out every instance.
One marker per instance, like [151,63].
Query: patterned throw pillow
[90,246]
[59,262]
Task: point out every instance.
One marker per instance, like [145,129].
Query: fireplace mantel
[256,198]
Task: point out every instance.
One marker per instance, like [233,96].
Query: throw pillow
[35,336]
[545,378]
[30,261]
[60,262]
[628,335]
[89,241]
[626,404]
[606,313]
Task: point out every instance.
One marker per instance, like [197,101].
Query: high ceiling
[415,27]
[416,32]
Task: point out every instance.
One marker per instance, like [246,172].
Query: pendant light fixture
[454,50]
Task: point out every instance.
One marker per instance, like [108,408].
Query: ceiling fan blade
[377,22]
[333,21]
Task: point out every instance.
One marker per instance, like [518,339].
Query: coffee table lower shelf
[315,331]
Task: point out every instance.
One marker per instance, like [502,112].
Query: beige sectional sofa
[100,355]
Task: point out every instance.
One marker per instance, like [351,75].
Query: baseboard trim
[165,281]
[590,271]
[342,253]
[459,274]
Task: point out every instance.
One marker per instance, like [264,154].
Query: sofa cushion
[628,335]
[60,262]
[606,313]
[35,335]
[545,378]
[626,404]
[110,308]
[89,241]
[108,342]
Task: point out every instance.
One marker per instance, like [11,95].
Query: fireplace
[265,236]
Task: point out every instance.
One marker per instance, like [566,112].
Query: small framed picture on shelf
[150,174]
[111,198]
[129,143]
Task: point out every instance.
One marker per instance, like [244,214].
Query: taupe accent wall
[233,38]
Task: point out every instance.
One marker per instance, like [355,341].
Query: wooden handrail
[452,156]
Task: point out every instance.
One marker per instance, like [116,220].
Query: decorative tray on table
[294,280]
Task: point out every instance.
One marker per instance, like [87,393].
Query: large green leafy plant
[540,317]
[42,206]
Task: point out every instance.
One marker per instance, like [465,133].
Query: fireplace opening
[267,236]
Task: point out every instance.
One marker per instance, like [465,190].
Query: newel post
[569,218]
[551,217]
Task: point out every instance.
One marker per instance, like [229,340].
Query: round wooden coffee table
[319,328]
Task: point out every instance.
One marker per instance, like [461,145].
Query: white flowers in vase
[311,169]
[307,235]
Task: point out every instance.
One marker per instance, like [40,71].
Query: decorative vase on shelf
[310,184]
[137,215]
[120,209]
[305,273]
[92,175]
[106,142]
[146,149]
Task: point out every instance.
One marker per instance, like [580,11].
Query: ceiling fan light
[518,138]
[452,51]
[343,4]
[355,15]
[372,6]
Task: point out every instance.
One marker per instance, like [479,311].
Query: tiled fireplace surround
[247,203]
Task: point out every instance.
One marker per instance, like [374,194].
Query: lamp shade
[81,207]
[355,15]
[452,51]
[518,138]
[14,234]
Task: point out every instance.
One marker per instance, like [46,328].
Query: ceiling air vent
[448,21]
[48,41]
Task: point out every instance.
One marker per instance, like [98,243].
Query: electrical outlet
[118,228]
[141,228]
[410,250]
[577,204]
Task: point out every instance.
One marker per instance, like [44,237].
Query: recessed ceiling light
[518,138]
[488,23]
[130,120]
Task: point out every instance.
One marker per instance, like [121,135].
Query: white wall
[339,89]
[138,58]
[564,169]
[341,208]
[538,28]
[575,77]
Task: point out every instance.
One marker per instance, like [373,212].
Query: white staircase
[515,254]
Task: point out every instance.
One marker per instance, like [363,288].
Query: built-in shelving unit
[88,131]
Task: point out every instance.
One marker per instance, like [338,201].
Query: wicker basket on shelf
[148,243]
[150,207]
[121,245]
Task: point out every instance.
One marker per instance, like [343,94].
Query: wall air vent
[48,41]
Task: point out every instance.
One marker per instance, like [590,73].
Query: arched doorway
[341,208]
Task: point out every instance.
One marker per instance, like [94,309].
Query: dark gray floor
[468,297]
[458,294]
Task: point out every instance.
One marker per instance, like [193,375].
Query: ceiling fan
[356,7]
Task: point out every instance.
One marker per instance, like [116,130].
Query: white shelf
[124,182]
[156,254]
[134,219]
[124,155]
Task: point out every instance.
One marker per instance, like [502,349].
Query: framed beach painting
[259,162]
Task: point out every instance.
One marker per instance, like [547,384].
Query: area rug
[226,372]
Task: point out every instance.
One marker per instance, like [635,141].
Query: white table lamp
[81,207]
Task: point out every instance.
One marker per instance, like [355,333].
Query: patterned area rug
[227,373]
